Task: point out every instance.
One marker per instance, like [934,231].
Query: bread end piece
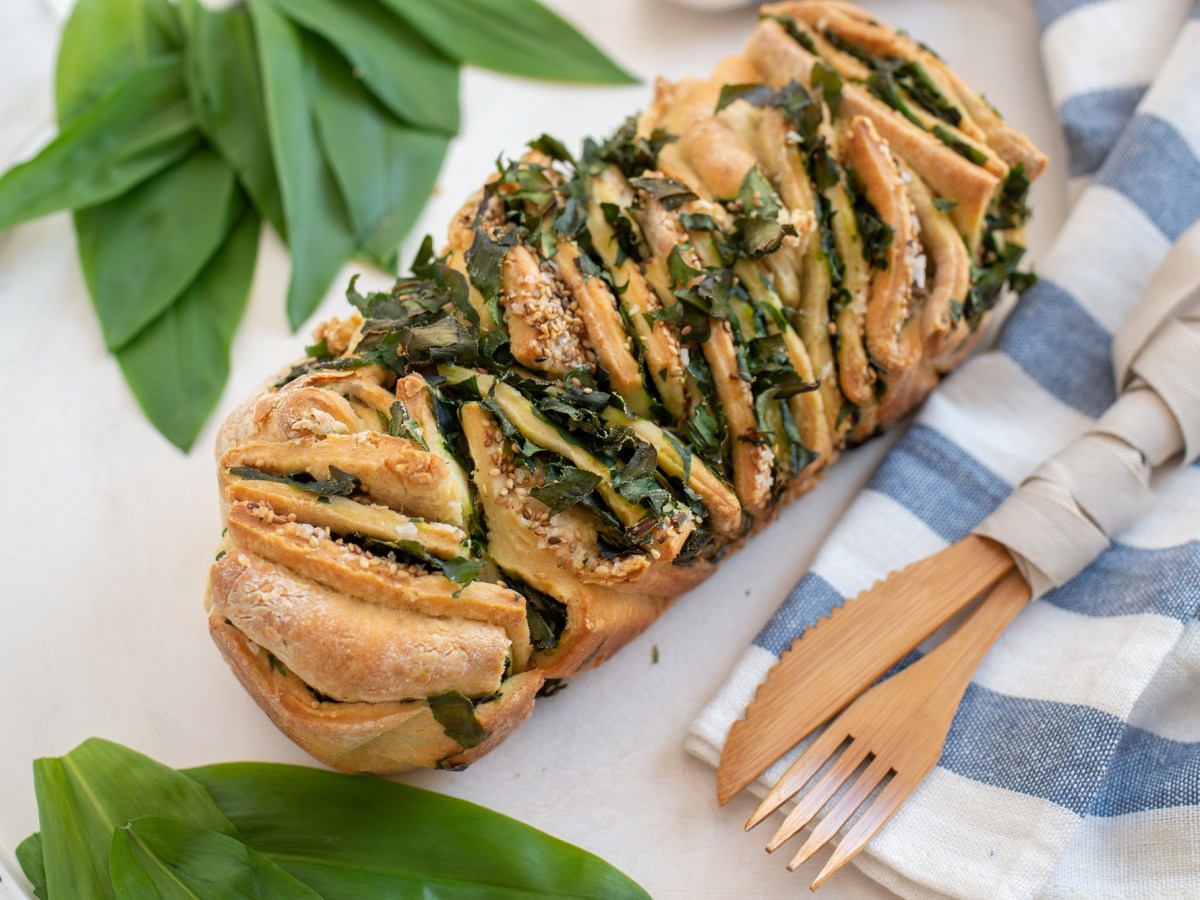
[375,738]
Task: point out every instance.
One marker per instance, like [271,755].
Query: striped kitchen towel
[1073,765]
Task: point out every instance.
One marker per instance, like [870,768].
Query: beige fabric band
[1064,514]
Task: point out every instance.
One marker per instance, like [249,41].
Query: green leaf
[551,147]
[670,193]
[1011,210]
[166,858]
[384,169]
[644,462]
[461,570]
[401,424]
[874,233]
[485,266]
[318,229]
[226,91]
[33,863]
[339,483]
[882,83]
[829,82]
[926,92]
[623,233]
[442,339]
[521,37]
[410,77]
[546,616]
[103,41]
[178,365]
[95,788]
[136,129]
[682,273]
[754,94]
[456,714]
[367,838]
[564,487]
[959,146]
[142,250]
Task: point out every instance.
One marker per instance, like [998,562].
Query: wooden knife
[842,655]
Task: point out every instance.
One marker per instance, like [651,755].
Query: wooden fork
[897,729]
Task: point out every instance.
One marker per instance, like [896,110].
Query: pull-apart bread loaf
[494,475]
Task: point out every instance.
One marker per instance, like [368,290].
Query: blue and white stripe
[1073,766]
[1101,56]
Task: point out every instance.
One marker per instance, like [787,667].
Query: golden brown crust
[890,300]
[946,281]
[598,309]
[981,123]
[1012,146]
[858,29]
[394,471]
[752,458]
[379,738]
[351,650]
[781,60]
[544,551]
[341,515]
[543,321]
[658,339]
[312,552]
[717,156]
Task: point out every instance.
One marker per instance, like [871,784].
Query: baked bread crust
[507,467]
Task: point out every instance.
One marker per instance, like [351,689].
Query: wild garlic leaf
[226,92]
[141,251]
[178,365]
[409,76]
[394,840]
[754,94]
[170,859]
[461,569]
[521,37]
[829,82]
[103,41]
[338,484]
[546,616]
[95,788]
[671,193]
[876,235]
[456,714]
[485,266]
[318,229]
[137,128]
[33,863]
[400,424]
[564,487]
[959,146]
[643,462]
[384,169]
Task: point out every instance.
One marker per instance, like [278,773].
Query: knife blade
[841,655]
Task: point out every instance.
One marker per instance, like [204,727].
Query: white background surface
[108,531]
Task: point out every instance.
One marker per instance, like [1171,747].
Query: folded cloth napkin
[1073,765]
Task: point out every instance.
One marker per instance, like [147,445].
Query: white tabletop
[108,530]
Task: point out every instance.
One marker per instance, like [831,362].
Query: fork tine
[798,774]
[873,818]
[818,795]
[842,810]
